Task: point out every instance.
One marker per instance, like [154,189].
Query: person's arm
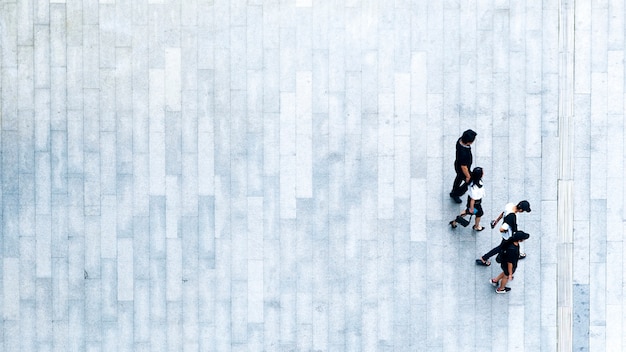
[471,205]
[495,221]
[466,172]
[508,223]
[510,270]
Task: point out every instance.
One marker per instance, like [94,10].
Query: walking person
[509,257]
[462,165]
[511,208]
[508,228]
[474,199]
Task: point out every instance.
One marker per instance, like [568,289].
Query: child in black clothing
[509,256]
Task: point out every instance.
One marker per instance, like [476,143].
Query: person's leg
[497,279]
[504,279]
[457,184]
[477,224]
[503,283]
[495,250]
[479,214]
[457,190]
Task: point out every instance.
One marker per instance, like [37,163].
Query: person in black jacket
[462,165]
[509,256]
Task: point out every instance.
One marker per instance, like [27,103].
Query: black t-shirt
[510,254]
[463,155]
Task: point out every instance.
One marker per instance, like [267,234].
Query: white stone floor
[216,175]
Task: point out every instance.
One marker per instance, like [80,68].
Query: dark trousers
[459,187]
[494,251]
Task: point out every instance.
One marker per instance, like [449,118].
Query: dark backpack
[503,251]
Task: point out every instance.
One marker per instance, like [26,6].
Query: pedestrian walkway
[217,175]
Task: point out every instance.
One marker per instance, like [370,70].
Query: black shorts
[478,209]
[505,268]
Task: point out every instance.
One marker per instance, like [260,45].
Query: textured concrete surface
[215,175]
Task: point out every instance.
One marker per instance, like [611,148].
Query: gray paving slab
[172,207]
[125,270]
[107,96]
[60,339]
[141,311]
[109,284]
[157,227]
[23,101]
[76,324]
[125,331]
[60,290]
[141,184]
